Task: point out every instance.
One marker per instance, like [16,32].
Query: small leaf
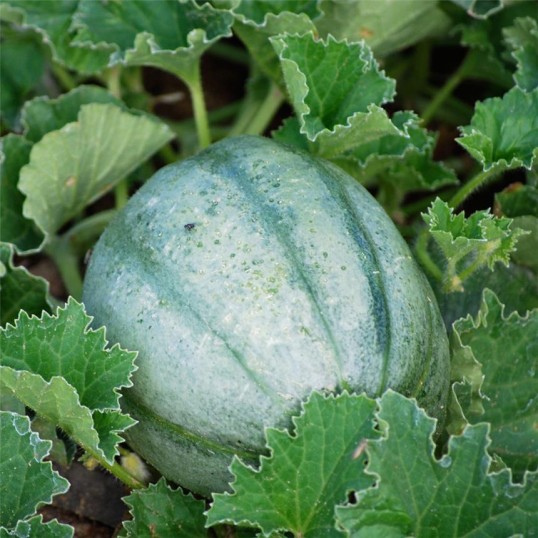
[500,383]
[384,25]
[72,167]
[135,35]
[308,471]
[504,131]
[416,494]
[469,243]
[522,39]
[43,115]
[14,228]
[162,511]
[20,290]
[59,368]
[53,20]
[26,480]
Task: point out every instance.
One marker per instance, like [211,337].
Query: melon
[246,277]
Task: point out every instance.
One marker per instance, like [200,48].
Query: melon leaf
[468,244]
[522,39]
[26,480]
[336,89]
[132,34]
[61,369]
[307,473]
[416,494]
[256,21]
[53,20]
[16,84]
[71,167]
[495,369]
[503,133]
[43,115]
[20,290]
[36,527]
[14,227]
[384,25]
[166,511]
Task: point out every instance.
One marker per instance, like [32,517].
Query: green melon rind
[271,294]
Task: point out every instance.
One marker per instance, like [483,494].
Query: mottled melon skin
[246,277]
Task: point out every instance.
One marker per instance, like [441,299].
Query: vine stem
[118,471]
[67,263]
[266,111]
[425,258]
[446,91]
[474,183]
[201,120]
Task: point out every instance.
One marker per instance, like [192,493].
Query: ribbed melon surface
[246,277]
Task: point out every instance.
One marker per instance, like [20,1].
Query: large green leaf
[53,20]
[416,494]
[166,511]
[19,289]
[504,131]
[136,33]
[26,480]
[62,370]
[77,164]
[336,89]
[14,227]
[497,382]
[308,472]
[385,25]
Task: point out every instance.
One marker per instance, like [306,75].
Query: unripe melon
[246,277]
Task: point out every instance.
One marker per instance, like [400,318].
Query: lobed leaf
[479,8]
[53,20]
[522,39]
[308,472]
[497,382]
[14,227]
[16,84]
[385,26]
[469,243]
[19,289]
[416,494]
[504,131]
[43,115]
[160,510]
[36,527]
[26,480]
[77,164]
[133,34]
[59,368]
[336,89]
[256,21]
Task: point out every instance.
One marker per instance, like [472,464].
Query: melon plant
[246,277]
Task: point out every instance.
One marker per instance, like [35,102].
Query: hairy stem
[470,186]
[421,250]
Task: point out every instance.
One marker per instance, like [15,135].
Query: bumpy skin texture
[246,277]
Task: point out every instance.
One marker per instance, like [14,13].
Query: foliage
[364,86]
